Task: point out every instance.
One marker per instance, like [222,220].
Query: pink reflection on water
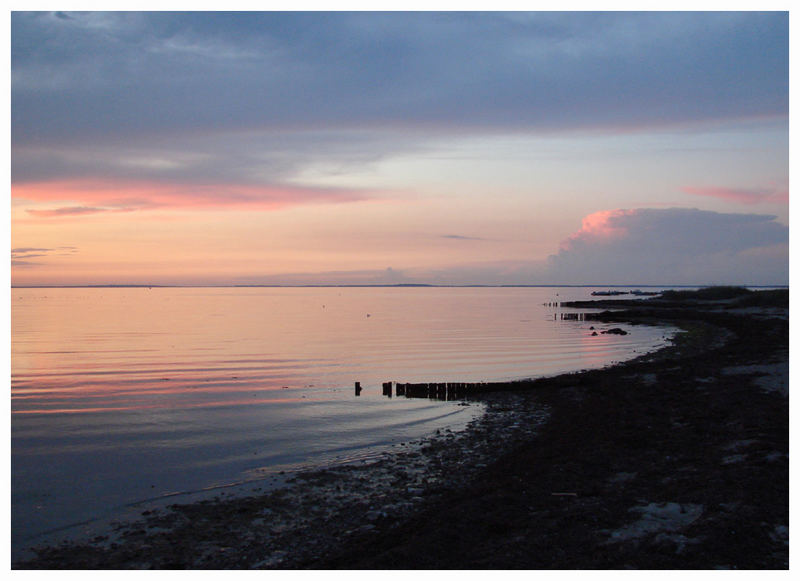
[107,347]
[138,407]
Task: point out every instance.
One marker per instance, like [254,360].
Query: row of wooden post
[440,391]
[572,316]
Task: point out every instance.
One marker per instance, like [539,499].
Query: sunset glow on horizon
[382,148]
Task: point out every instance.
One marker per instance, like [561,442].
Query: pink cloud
[741,195]
[603,225]
[97,195]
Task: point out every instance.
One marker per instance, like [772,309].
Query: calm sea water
[120,395]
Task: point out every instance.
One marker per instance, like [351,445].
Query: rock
[374,515]
[615,331]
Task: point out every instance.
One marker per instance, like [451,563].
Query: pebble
[374,515]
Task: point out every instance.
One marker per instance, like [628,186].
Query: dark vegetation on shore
[675,460]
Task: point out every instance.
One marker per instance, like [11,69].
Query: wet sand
[676,460]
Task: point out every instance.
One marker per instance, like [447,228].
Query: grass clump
[711,293]
[744,297]
[766,298]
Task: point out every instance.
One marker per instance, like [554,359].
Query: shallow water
[126,394]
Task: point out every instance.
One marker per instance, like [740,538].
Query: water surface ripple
[125,394]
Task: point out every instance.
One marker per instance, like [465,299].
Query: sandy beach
[675,460]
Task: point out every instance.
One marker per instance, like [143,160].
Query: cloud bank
[98,73]
[257,98]
[662,247]
[674,246]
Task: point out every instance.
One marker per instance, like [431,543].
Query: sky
[393,147]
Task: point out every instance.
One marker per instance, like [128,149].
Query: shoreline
[650,463]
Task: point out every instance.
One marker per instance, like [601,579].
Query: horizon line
[399,285]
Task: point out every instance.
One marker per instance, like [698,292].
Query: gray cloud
[21,256]
[459,237]
[674,246]
[68,211]
[253,157]
[27,256]
[19,251]
[103,76]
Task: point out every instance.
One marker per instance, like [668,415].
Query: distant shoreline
[409,285]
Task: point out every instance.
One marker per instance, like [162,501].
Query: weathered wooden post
[358,388]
